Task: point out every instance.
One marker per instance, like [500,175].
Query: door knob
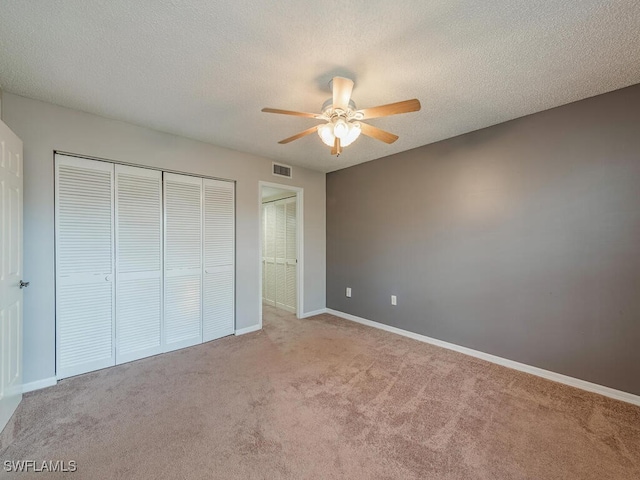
[23,284]
[108,278]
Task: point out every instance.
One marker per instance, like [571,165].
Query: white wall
[44,127]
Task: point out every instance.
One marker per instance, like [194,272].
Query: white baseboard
[314,313]
[556,377]
[38,384]
[253,328]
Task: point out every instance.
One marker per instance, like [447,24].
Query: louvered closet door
[291,255]
[269,255]
[263,219]
[182,261]
[281,259]
[138,263]
[218,318]
[84,265]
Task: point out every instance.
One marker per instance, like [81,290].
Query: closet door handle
[23,284]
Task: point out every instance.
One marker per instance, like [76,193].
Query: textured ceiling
[204,69]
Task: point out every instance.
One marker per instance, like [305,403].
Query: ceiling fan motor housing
[351,114]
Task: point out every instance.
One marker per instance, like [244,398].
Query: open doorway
[281,240]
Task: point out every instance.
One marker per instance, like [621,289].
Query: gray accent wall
[521,240]
[44,127]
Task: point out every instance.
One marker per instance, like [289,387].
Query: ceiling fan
[342,119]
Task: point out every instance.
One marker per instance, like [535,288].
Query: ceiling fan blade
[378,134]
[342,88]
[391,109]
[337,149]
[291,112]
[308,131]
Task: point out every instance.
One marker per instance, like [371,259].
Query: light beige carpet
[317,399]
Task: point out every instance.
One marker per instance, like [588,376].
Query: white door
[286,254]
[269,254]
[279,263]
[85,294]
[138,263]
[291,256]
[10,273]
[182,261]
[218,318]
[281,257]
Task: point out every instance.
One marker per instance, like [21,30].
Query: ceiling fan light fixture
[341,128]
[341,116]
[325,132]
[354,132]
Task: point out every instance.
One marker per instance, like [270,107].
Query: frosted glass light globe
[326,134]
[354,133]
[341,128]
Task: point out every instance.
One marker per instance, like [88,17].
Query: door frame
[299,191]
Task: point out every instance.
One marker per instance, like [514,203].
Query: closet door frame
[111,164]
[300,247]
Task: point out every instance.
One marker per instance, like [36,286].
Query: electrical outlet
[349,292]
[394,300]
